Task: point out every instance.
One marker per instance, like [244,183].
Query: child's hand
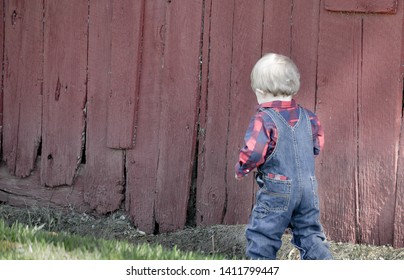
[238,178]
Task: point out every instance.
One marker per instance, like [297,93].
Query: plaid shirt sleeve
[318,133]
[257,139]
[260,139]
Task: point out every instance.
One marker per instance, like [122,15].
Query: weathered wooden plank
[362,6]
[399,205]
[291,29]
[127,20]
[142,160]
[380,99]
[214,114]
[2,81]
[103,174]
[22,85]
[247,33]
[27,192]
[65,63]
[338,63]
[305,25]
[277,27]
[180,79]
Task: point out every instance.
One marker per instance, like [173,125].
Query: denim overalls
[288,195]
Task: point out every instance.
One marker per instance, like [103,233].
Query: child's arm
[318,134]
[257,139]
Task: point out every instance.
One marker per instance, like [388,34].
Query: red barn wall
[143,105]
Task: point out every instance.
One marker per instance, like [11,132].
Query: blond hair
[275,74]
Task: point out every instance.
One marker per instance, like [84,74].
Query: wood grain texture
[277,27]
[179,98]
[142,161]
[127,20]
[247,32]
[65,66]
[22,85]
[339,55]
[304,48]
[291,29]
[103,175]
[399,204]
[380,99]
[214,117]
[28,192]
[362,6]
[2,77]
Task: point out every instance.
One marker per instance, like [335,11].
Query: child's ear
[260,92]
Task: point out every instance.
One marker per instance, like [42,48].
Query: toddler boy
[281,142]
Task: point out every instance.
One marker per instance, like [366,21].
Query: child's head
[275,74]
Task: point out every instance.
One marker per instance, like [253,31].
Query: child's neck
[271,98]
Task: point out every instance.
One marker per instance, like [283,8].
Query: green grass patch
[19,242]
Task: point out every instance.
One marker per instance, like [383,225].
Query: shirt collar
[278,104]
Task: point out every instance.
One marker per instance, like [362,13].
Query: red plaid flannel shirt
[260,138]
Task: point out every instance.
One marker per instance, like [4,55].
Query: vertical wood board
[247,32]
[2,77]
[103,177]
[127,20]
[214,116]
[22,85]
[337,77]
[142,160]
[180,79]
[399,204]
[65,64]
[304,48]
[380,100]
[277,29]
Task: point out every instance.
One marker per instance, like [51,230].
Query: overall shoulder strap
[273,115]
[306,120]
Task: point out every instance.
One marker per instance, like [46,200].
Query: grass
[19,242]
[45,233]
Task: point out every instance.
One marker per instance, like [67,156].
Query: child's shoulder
[261,117]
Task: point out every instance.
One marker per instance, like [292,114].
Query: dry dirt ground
[228,241]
